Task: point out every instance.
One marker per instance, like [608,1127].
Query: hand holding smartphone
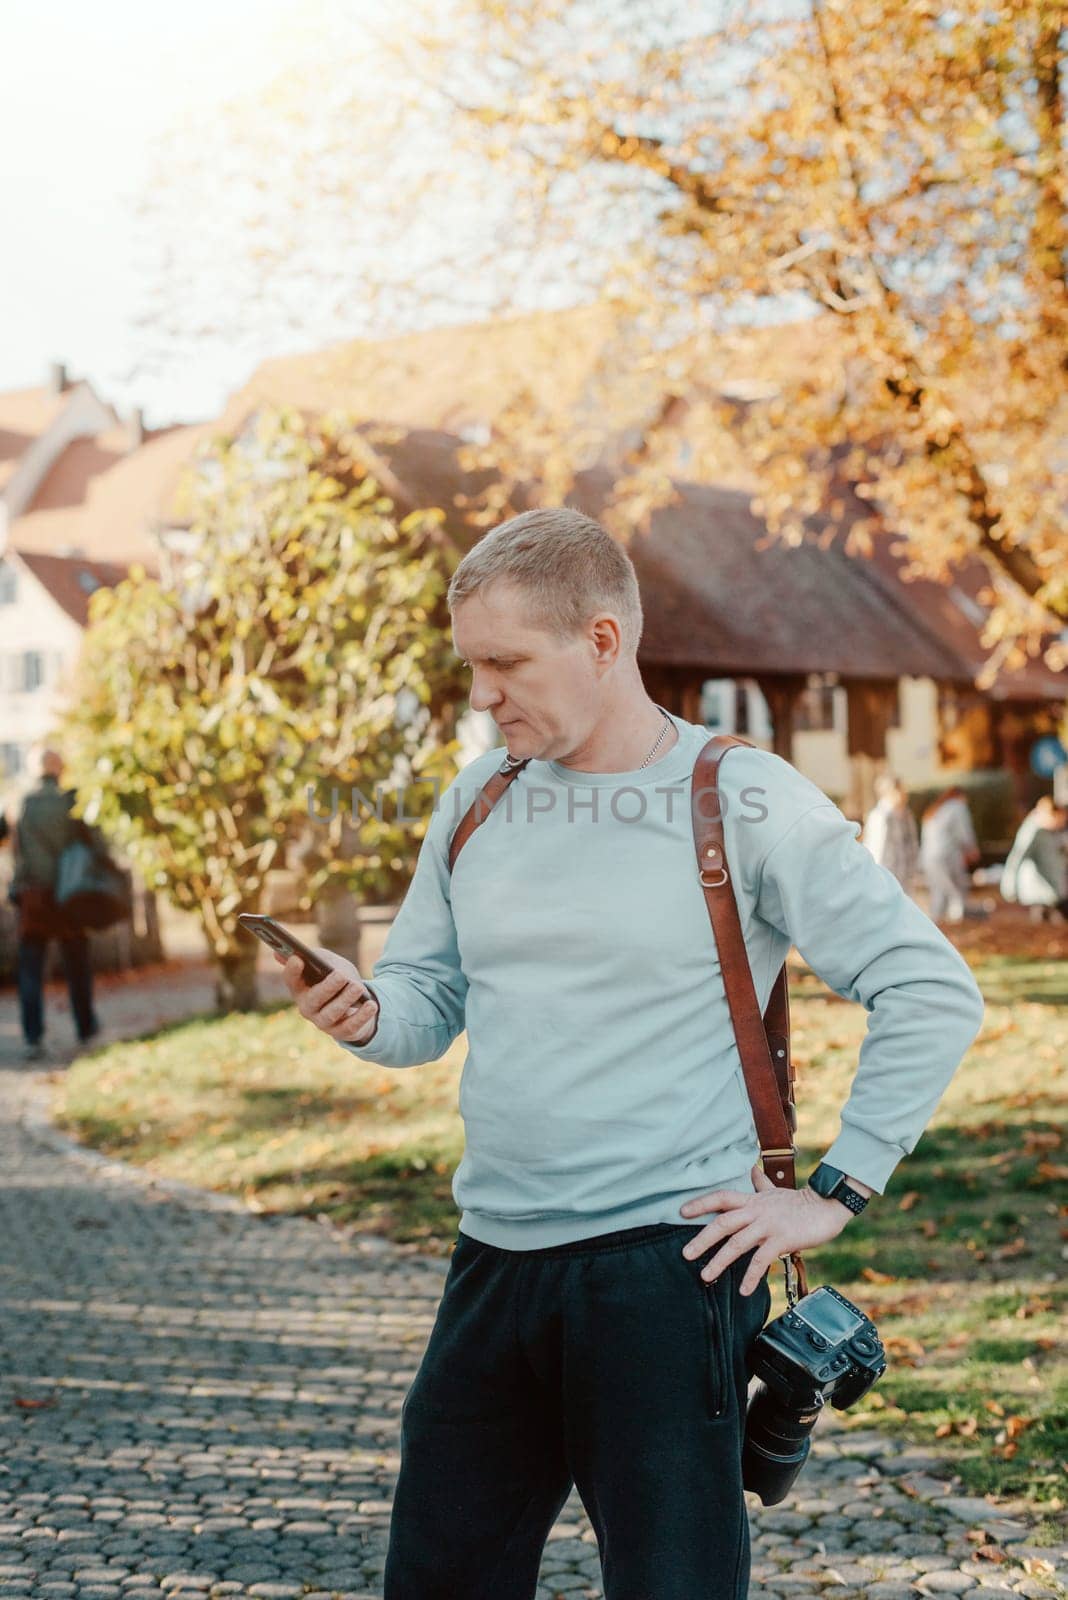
[327,989]
[281,941]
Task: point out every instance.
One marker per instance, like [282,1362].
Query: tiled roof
[721,599]
[439,377]
[102,499]
[24,416]
[71,581]
[452,377]
[954,613]
[716,601]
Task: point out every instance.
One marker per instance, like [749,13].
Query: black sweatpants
[608,1363]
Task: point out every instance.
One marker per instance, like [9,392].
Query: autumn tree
[894,170]
[897,170]
[288,673]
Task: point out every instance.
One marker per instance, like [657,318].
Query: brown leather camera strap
[483,804]
[763,1041]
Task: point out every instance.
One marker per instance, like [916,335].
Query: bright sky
[83,88]
[86,93]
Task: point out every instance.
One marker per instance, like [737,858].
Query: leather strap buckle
[711,876]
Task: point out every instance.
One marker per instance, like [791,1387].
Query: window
[894,719]
[9,585]
[735,705]
[714,703]
[10,760]
[33,674]
[949,707]
[815,708]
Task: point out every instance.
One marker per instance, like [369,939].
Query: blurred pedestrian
[948,852]
[45,826]
[1036,869]
[890,831]
[1060,785]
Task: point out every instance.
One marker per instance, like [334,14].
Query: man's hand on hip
[339,1005]
[775,1221]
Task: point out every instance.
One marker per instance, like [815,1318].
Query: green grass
[960,1263]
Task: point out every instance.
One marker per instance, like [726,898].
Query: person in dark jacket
[45,826]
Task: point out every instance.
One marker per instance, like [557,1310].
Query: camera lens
[777,1443]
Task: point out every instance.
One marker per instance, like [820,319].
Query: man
[45,826]
[586,1332]
[890,831]
[949,851]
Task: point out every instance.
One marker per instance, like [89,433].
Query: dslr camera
[823,1348]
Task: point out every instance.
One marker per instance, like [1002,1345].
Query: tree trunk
[235,979]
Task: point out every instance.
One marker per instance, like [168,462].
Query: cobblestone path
[197,1400]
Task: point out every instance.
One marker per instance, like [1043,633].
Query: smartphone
[279,938]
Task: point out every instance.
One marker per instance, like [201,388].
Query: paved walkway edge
[36,1119]
[999,1518]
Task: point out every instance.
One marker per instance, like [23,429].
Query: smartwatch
[833,1185]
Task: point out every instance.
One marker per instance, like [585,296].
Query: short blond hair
[568,566]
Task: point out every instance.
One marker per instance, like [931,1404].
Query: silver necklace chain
[659,738]
[521,761]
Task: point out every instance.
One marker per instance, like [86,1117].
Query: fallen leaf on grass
[873,1275]
[1018,1247]
[1014,1426]
[967,1427]
[910,1352]
[1041,1139]
[905,1305]
[33,1405]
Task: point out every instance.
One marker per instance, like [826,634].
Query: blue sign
[1047,754]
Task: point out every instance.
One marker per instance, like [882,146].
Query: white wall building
[81,495]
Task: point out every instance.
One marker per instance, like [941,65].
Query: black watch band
[832,1183]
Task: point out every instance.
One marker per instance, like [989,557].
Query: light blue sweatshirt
[602,1085]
